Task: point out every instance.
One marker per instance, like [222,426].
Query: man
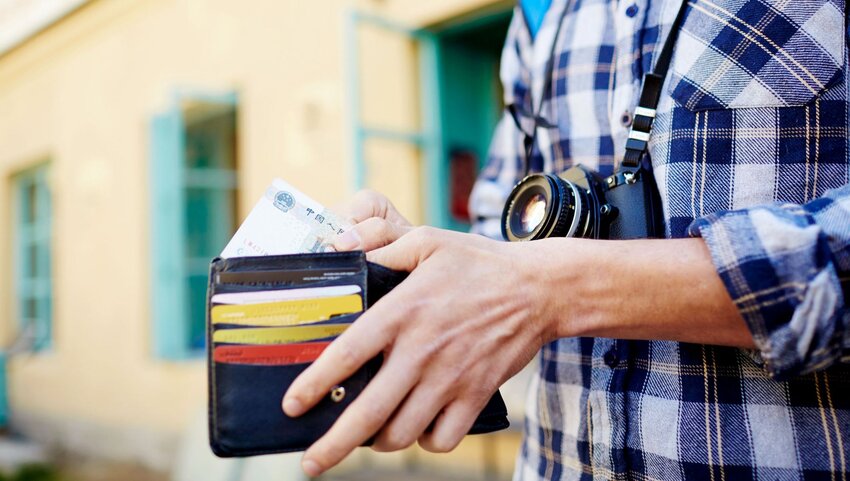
[718,353]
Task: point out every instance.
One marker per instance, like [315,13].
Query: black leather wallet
[245,415]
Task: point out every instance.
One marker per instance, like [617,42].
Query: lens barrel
[545,205]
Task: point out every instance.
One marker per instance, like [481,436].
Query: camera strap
[518,112]
[650,94]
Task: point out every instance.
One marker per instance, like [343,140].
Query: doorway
[470,105]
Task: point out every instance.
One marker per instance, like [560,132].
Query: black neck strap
[650,94]
[516,110]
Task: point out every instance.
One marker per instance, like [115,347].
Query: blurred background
[135,136]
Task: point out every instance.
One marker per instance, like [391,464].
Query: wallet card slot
[215,344]
[320,260]
[286,276]
[286,314]
[343,319]
[270,355]
[279,334]
[218,288]
[288,271]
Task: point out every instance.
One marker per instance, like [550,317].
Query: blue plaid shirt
[750,152]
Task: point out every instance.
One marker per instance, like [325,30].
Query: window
[194,215]
[460,99]
[32,254]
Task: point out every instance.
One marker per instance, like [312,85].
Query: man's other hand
[465,320]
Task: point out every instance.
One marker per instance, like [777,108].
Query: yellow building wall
[81,95]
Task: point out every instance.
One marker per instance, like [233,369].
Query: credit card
[273,355]
[286,313]
[278,335]
[256,297]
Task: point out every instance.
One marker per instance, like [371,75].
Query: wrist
[636,289]
[571,279]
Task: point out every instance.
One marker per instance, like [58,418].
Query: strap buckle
[638,139]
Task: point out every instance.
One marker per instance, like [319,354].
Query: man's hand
[474,311]
[467,318]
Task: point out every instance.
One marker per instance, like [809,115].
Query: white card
[257,297]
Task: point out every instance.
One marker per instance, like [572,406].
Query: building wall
[81,94]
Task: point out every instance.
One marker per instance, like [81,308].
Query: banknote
[285,221]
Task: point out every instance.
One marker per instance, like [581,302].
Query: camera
[582,203]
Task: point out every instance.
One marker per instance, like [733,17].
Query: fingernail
[311,467]
[292,407]
[348,240]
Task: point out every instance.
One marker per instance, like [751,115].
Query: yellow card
[286,313]
[278,335]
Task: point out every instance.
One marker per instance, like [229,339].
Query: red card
[271,355]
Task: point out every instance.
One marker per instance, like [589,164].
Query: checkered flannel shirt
[750,152]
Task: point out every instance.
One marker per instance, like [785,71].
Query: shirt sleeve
[787,268]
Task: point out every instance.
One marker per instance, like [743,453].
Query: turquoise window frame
[437,95]
[4,390]
[33,255]
[428,139]
[171,264]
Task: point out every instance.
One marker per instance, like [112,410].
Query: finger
[412,418]
[406,252]
[364,416]
[451,426]
[370,234]
[362,341]
[368,203]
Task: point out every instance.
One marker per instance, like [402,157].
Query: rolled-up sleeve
[787,268]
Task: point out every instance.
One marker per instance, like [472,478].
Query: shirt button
[632,10]
[626,119]
[611,359]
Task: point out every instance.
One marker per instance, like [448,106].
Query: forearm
[639,289]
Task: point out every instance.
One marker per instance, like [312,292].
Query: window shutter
[170,336]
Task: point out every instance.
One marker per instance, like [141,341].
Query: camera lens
[544,205]
[533,213]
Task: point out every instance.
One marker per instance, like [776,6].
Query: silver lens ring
[578,209]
